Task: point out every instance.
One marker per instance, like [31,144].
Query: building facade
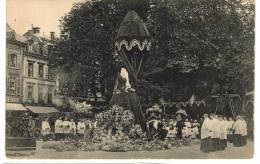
[38,85]
[28,80]
[15,46]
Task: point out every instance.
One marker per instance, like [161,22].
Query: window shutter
[9,60]
[45,71]
[25,68]
[18,86]
[19,61]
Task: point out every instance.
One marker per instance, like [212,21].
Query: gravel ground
[185,152]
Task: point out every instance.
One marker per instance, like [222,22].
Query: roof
[15,107]
[11,34]
[41,109]
[133,27]
[8,28]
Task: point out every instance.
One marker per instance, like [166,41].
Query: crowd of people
[65,128]
[217,130]
[188,129]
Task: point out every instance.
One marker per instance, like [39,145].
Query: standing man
[223,133]
[58,128]
[238,132]
[215,132]
[206,129]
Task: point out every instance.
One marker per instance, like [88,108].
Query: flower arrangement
[154,108]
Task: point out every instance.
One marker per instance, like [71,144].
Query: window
[30,69]
[13,83]
[13,60]
[41,71]
[30,46]
[12,87]
[41,49]
[30,92]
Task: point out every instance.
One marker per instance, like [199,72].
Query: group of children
[216,131]
[189,129]
[65,128]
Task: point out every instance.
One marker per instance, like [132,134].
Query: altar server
[206,132]
[81,128]
[58,127]
[45,129]
[223,133]
[239,130]
[66,127]
[72,127]
[215,132]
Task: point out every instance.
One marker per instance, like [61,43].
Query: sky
[21,14]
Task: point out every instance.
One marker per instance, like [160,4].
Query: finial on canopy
[133,33]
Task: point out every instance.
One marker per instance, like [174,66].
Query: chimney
[52,35]
[36,30]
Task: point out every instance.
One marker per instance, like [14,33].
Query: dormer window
[30,46]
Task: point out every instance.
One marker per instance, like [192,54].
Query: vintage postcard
[130,79]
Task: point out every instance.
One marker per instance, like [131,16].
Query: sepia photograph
[129,79]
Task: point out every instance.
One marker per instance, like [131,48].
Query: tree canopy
[198,46]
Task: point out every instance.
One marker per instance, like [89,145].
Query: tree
[86,47]
[201,43]
[196,45]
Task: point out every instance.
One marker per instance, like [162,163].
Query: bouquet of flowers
[154,108]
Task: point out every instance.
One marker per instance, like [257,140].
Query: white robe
[72,127]
[186,131]
[172,133]
[45,127]
[238,127]
[124,74]
[194,130]
[81,128]
[244,128]
[223,128]
[66,127]
[58,126]
[206,128]
[216,128]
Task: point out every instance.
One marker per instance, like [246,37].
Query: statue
[125,96]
